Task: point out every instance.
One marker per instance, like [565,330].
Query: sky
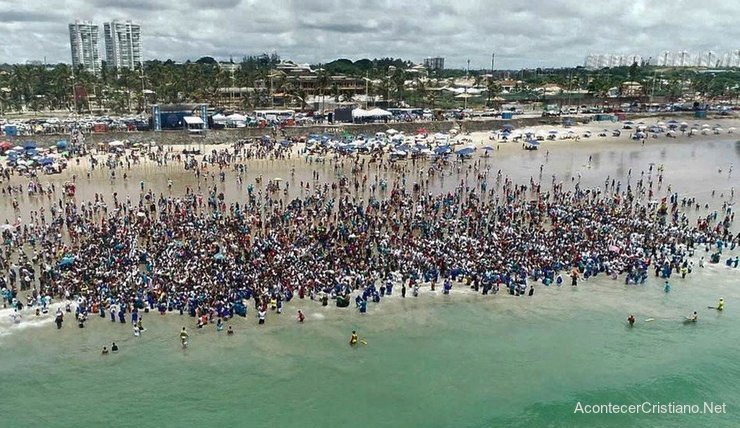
[522,34]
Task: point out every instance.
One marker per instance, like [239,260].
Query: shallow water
[436,361]
[459,360]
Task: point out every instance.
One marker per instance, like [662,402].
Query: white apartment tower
[83,39]
[122,44]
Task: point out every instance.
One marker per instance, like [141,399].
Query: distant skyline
[522,35]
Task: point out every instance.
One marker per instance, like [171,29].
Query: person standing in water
[184,337]
[353,339]
[301,317]
[631,320]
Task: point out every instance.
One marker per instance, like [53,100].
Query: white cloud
[524,34]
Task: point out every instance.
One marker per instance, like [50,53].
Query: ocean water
[432,361]
[437,361]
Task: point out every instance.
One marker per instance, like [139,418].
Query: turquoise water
[435,361]
[438,361]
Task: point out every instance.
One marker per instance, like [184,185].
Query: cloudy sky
[522,34]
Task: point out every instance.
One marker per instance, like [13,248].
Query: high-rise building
[437,63]
[122,44]
[83,39]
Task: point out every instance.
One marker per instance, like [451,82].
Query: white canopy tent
[376,112]
[219,118]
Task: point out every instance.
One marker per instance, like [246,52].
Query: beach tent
[467,151]
[219,118]
[442,150]
[359,113]
[379,112]
[236,117]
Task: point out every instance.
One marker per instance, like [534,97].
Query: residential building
[436,63]
[83,39]
[631,89]
[122,44]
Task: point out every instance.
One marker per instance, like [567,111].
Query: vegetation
[37,88]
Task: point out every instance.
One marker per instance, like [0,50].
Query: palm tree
[399,80]
[322,79]
[336,93]
[247,101]
[421,91]
[493,89]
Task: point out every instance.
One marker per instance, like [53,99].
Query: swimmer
[693,317]
[229,331]
[631,320]
[667,287]
[720,306]
[184,337]
[105,351]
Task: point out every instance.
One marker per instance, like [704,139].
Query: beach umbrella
[391,131]
[533,142]
[28,145]
[441,150]
[5,145]
[488,148]
[613,248]
[18,148]
[61,144]
[45,161]
[467,151]
[508,127]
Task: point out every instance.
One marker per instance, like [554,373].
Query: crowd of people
[373,230]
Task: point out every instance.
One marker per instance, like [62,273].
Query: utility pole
[490,83]
[467,72]
[143,88]
[74,92]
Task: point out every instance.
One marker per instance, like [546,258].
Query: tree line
[59,87]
